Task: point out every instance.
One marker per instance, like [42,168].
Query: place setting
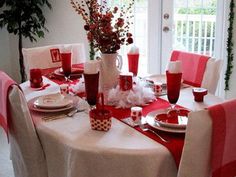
[68,70]
[172,119]
[56,106]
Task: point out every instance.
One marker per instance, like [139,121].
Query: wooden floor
[6,169]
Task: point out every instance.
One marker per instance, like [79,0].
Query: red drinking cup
[66,63]
[133,63]
[36,80]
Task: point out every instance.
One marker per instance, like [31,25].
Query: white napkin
[133,50]
[91,67]
[175,67]
[66,49]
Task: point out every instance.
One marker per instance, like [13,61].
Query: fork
[142,126]
[63,115]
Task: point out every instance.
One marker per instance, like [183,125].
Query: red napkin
[193,66]
[5,83]
[223,139]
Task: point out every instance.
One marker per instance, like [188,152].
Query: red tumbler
[133,62]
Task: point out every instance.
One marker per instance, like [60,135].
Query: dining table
[73,149]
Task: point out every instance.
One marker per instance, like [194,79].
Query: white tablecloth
[72,149]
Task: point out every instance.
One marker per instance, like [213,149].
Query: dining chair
[202,147]
[26,151]
[47,56]
[199,70]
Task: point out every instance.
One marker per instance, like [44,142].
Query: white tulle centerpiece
[139,95]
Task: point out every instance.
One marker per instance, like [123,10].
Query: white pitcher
[110,66]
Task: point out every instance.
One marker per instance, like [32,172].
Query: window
[139,30]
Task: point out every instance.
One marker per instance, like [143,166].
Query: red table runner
[176,140]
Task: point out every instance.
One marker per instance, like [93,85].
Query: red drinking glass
[66,64]
[36,80]
[133,63]
[91,87]
[173,87]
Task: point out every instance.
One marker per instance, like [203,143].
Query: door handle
[166,16]
[166,29]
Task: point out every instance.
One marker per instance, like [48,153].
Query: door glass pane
[194,22]
[139,31]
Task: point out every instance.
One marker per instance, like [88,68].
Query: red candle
[36,79]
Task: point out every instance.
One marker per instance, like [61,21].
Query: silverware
[63,115]
[73,112]
[142,126]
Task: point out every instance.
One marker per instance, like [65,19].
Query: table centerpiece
[107,30]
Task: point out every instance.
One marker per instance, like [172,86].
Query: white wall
[5,63]
[64,25]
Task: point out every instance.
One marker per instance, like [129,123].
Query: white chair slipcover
[26,150]
[195,160]
[212,74]
[209,148]
[40,57]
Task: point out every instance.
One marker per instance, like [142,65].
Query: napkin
[134,50]
[174,67]
[66,49]
[91,67]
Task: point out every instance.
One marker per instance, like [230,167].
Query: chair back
[44,57]
[26,149]
[209,148]
[195,159]
[199,70]
[193,66]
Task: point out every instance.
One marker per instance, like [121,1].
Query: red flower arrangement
[107,29]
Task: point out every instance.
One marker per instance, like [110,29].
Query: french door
[191,25]
[161,26]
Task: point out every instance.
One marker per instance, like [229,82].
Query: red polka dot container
[100,119]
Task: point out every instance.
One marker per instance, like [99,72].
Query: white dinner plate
[45,110]
[176,121]
[150,118]
[52,101]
